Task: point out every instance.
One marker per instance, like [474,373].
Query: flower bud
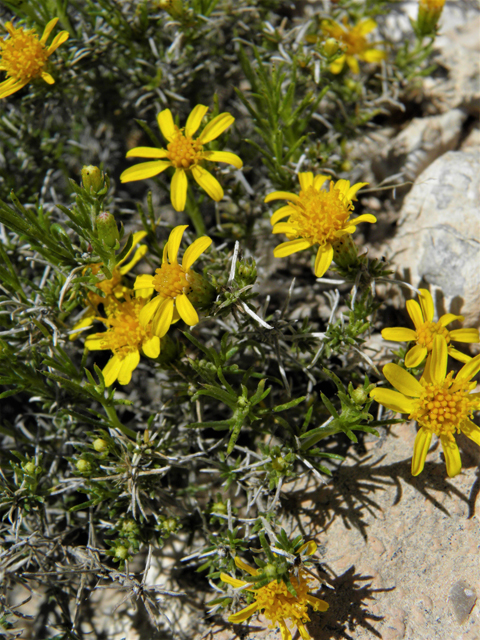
[83,466]
[93,179]
[172,7]
[121,553]
[29,468]
[100,445]
[201,293]
[345,251]
[359,395]
[107,229]
[331,47]
[429,12]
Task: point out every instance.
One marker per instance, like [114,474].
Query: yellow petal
[393,400]
[399,334]
[352,192]
[365,26]
[111,370]
[194,251]
[402,380]
[452,456]
[415,356]
[233,581]
[211,185]
[426,303]
[59,39]
[343,186]
[139,253]
[48,30]
[465,335]
[163,318]
[186,310]
[323,260]
[282,195]
[449,317]
[144,170]
[147,152]
[224,156]
[174,241]
[353,64]
[286,635]
[439,358]
[129,364]
[244,614]
[149,310]
[216,127]
[415,313]
[195,119]
[373,55]
[458,355]
[309,547]
[83,323]
[281,213]
[319,181]
[337,65]
[137,237]
[306,180]
[245,567]
[317,604]
[420,450]
[178,190]
[471,431]
[284,227]
[287,248]
[151,347]
[365,217]
[470,369]
[11,86]
[47,77]
[303,632]
[143,282]
[95,342]
[166,125]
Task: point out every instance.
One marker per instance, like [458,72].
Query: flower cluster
[24,57]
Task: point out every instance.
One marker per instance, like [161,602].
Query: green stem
[112,414]
[194,214]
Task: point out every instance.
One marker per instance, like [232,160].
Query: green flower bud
[270,571]
[121,553]
[170,525]
[100,445]
[29,468]
[93,179]
[83,466]
[331,47]
[359,395]
[219,507]
[172,7]
[429,12]
[279,463]
[345,251]
[202,294]
[107,229]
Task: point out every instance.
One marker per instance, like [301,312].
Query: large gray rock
[438,237]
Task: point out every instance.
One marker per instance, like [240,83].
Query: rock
[421,142]
[458,52]
[462,597]
[438,237]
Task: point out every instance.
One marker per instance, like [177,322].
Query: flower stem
[194,214]
[112,414]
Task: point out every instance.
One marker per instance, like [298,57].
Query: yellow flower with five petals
[441,404]
[316,216]
[353,42]
[426,329]
[24,57]
[185,154]
[174,283]
[278,603]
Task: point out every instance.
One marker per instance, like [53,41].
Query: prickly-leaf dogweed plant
[164,385]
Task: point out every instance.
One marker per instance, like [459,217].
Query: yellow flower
[173,283]
[185,154]
[279,604]
[426,329]
[112,288]
[24,57]
[440,404]
[316,216]
[429,12]
[353,42]
[126,337]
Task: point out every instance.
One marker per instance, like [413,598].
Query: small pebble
[463,598]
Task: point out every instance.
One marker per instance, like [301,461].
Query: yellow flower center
[23,57]
[279,604]
[183,151]
[320,214]
[427,333]
[171,280]
[125,333]
[354,43]
[107,286]
[444,408]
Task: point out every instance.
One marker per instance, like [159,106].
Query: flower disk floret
[173,283]
[316,216]
[441,404]
[426,329]
[126,337]
[24,57]
[185,154]
[275,599]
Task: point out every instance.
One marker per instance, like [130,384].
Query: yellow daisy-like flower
[24,57]
[440,403]
[316,216]
[353,42]
[112,288]
[279,604]
[185,154]
[173,283]
[126,337]
[426,329]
